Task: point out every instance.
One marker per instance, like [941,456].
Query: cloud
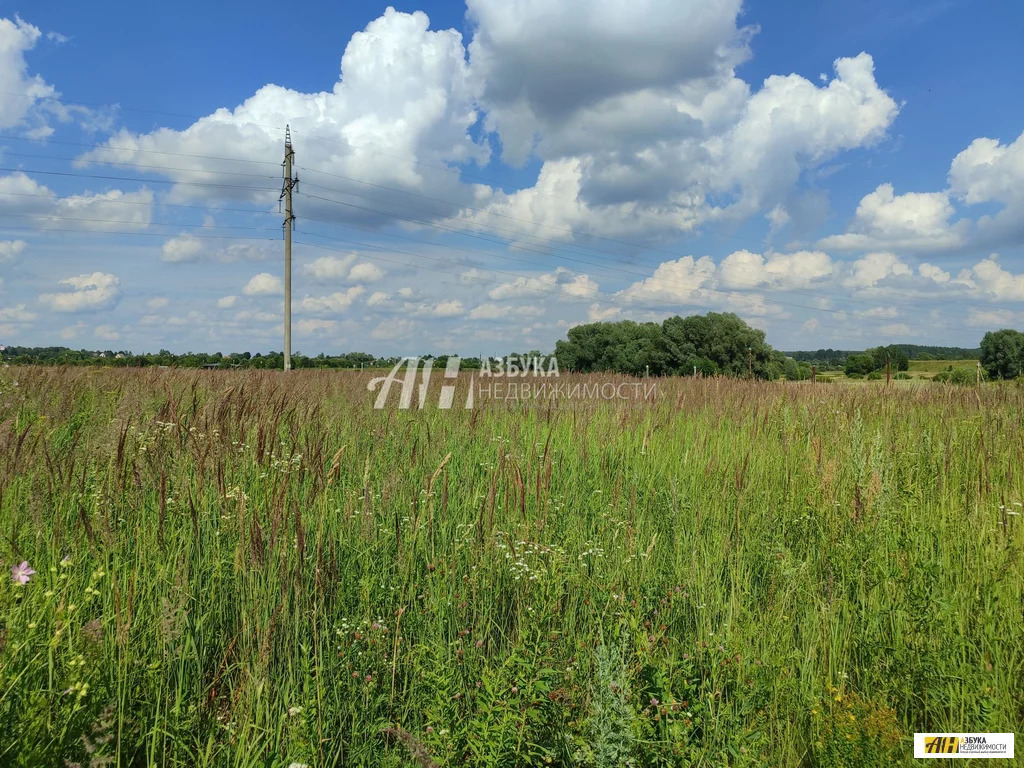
[97,291]
[158,302]
[991,280]
[113,210]
[19,91]
[988,171]
[727,153]
[106,333]
[993,318]
[264,284]
[11,249]
[450,308]
[16,314]
[311,327]
[545,66]
[497,312]
[911,221]
[366,273]
[743,269]
[378,299]
[329,268]
[331,303]
[181,248]
[395,328]
[403,105]
[562,282]
[72,331]
[598,314]
[682,280]
[991,172]
[870,270]
[226,302]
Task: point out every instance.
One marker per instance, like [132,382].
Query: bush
[902,376]
[874,376]
[855,375]
[963,377]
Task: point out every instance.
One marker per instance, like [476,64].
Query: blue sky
[479,177]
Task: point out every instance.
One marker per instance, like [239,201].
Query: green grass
[263,570]
[931,367]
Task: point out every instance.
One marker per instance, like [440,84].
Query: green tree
[1002,353]
[723,339]
[859,364]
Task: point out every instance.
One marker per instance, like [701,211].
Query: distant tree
[1002,353]
[723,339]
[899,358]
[859,364]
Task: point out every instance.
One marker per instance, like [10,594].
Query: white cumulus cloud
[99,290]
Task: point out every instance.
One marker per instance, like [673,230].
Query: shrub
[902,376]
[874,376]
[851,732]
[855,375]
[963,377]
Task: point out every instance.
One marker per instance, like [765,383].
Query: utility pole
[290,183]
[814,373]
[888,369]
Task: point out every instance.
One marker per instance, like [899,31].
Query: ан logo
[410,387]
[946,745]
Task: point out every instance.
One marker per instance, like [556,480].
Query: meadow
[244,568]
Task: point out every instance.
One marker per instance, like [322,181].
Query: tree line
[715,344]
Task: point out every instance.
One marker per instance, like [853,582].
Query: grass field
[247,569]
[931,367]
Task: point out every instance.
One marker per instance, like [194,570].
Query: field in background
[918,370]
[932,367]
[252,569]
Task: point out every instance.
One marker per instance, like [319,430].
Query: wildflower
[293,711]
[654,702]
[21,573]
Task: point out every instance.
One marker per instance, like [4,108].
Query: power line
[144,181]
[103,232]
[159,204]
[176,169]
[135,149]
[47,217]
[517,233]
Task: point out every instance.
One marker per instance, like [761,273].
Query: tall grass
[246,569]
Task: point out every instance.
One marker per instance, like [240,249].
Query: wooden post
[814,373]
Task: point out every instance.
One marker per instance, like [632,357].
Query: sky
[478,178]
